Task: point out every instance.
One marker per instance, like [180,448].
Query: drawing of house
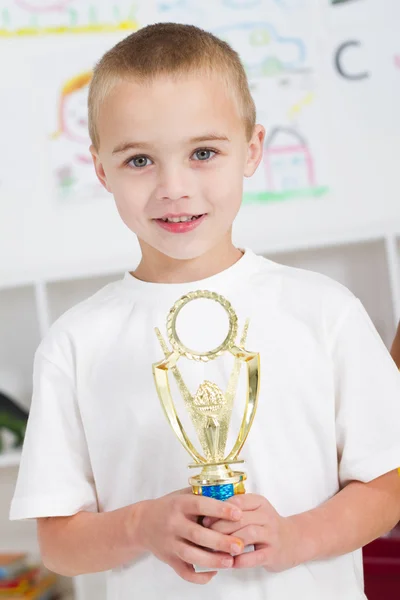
[287,161]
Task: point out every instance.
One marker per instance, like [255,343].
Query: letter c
[339,66]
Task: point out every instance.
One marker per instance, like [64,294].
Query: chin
[185,251]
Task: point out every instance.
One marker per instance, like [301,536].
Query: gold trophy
[210,409]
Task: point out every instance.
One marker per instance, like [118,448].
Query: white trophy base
[249,548]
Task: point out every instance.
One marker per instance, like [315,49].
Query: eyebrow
[208,137]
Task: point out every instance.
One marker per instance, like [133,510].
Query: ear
[98,167]
[254,151]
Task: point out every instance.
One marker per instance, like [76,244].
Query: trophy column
[210,408]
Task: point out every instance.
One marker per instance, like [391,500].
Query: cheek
[224,189]
[130,197]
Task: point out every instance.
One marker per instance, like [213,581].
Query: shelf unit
[10,459]
[367,262]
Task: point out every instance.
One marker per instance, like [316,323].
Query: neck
[156,267]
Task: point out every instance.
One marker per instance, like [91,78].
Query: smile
[180,223]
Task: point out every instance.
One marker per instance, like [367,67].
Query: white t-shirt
[328,413]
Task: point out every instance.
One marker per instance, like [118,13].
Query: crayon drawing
[293,160]
[70,157]
[264,51]
[242,4]
[40,17]
[289,166]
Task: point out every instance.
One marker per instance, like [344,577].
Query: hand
[168,527]
[272,535]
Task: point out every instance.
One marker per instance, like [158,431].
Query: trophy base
[219,492]
[218,481]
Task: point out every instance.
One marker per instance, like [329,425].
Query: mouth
[179,218]
[180,223]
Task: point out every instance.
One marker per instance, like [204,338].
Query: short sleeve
[55,476]
[367,385]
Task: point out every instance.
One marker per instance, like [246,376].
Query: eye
[203,154]
[138,162]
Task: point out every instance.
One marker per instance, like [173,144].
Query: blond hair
[169,49]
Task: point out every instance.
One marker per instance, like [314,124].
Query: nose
[173,183]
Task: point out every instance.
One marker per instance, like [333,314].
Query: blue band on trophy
[219,492]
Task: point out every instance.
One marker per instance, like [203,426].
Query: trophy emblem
[210,408]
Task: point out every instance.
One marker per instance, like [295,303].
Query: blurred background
[325,76]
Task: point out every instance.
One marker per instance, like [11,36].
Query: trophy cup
[210,409]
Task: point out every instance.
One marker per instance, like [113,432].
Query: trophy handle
[160,373]
[252,360]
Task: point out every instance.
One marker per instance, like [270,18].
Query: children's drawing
[73,123]
[246,4]
[42,5]
[288,161]
[290,168]
[33,17]
[290,4]
[263,50]
[166,5]
[71,159]
[180,11]
[242,3]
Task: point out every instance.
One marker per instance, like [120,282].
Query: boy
[173,133]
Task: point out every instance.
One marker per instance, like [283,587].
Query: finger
[247,501]
[188,573]
[256,558]
[206,538]
[187,490]
[227,527]
[249,518]
[209,507]
[203,558]
[252,534]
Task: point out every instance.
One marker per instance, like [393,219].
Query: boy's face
[175,148]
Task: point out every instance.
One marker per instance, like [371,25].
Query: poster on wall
[276,42]
[38,17]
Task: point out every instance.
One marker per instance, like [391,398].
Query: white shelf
[10,459]
[19,337]
[62,295]
[362,267]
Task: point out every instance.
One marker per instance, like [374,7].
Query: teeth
[179,219]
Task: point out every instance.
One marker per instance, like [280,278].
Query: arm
[167,527]
[358,514]
[89,542]
[351,519]
[395,349]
